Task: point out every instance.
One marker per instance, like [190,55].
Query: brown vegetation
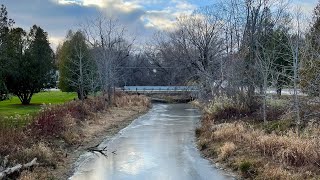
[56,131]
[261,151]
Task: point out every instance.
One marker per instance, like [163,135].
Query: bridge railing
[162,89]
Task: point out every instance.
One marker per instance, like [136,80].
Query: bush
[203,144]
[53,120]
[11,140]
[198,132]
[246,168]
[49,121]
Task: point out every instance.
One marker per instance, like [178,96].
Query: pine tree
[31,63]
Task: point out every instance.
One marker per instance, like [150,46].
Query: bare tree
[196,47]
[107,38]
[268,52]
[80,70]
[295,42]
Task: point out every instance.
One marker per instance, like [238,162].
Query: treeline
[26,60]
[241,49]
[93,58]
[96,58]
[233,48]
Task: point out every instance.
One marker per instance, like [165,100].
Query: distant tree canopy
[27,60]
[5,24]
[310,73]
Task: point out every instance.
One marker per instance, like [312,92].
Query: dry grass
[225,108]
[131,100]
[37,173]
[276,173]
[59,127]
[289,149]
[226,150]
[197,103]
[238,139]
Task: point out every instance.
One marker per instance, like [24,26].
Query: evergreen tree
[310,73]
[31,63]
[5,24]
[76,68]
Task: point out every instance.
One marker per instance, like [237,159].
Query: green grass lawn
[13,106]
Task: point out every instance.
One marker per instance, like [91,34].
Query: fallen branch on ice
[101,151]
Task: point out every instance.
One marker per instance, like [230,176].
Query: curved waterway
[159,145]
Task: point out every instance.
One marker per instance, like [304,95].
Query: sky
[141,17]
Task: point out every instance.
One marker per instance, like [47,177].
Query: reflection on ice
[159,145]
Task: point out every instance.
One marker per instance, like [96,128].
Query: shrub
[11,140]
[203,144]
[198,131]
[246,168]
[49,121]
[53,120]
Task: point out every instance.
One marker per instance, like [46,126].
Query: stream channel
[159,145]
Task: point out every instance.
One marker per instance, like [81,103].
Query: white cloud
[55,41]
[162,20]
[165,19]
[67,2]
[123,6]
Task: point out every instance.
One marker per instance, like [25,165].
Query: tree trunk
[251,93]
[25,98]
[109,94]
[279,90]
[80,95]
[25,102]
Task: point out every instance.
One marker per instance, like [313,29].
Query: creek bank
[107,125]
[58,135]
[254,150]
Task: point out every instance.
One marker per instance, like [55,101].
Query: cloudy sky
[142,17]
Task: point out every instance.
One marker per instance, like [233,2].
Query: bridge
[178,94]
[160,89]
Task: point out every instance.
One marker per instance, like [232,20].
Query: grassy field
[13,106]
